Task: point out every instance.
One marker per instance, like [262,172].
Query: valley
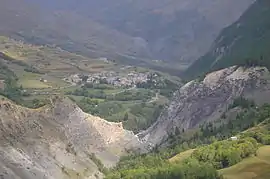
[166,36]
[116,92]
[134,89]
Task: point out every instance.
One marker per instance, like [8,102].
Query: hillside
[134,32]
[58,141]
[244,42]
[206,100]
[253,167]
[109,92]
[210,152]
[32,23]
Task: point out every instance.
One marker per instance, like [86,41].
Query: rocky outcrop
[58,141]
[206,100]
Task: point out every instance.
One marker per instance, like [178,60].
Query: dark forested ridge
[246,42]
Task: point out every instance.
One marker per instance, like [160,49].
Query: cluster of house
[110,77]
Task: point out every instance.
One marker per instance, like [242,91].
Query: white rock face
[57,141]
[201,101]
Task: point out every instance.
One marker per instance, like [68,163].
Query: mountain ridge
[245,42]
[215,92]
[131,31]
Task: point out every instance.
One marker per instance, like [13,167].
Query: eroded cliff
[58,141]
[205,100]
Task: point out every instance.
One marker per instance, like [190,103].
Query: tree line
[123,96]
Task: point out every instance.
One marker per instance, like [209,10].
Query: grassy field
[78,98]
[55,60]
[33,84]
[257,167]
[32,80]
[181,156]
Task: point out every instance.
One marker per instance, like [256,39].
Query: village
[112,78]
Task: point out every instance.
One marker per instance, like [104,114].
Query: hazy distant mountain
[179,30]
[66,29]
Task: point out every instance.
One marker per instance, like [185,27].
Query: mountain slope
[168,30]
[209,145]
[58,141]
[67,29]
[247,38]
[253,167]
[198,102]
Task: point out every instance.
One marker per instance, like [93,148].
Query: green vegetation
[5,72]
[34,103]
[242,102]
[165,86]
[11,90]
[213,148]
[16,93]
[32,70]
[207,159]
[190,169]
[246,42]
[124,95]
[135,115]
[27,67]
[182,156]
[99,164]
[255,167]
[88,93]
[137,108]
[223,154]
[146,114]
[99,86]
[211,132]
[261,132]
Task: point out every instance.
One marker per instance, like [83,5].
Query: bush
[226,153]
[261,137]
[242,102]
[98,163]
[32,70]
[190,169]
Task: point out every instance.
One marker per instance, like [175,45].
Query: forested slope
[245,42]
[213,149]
